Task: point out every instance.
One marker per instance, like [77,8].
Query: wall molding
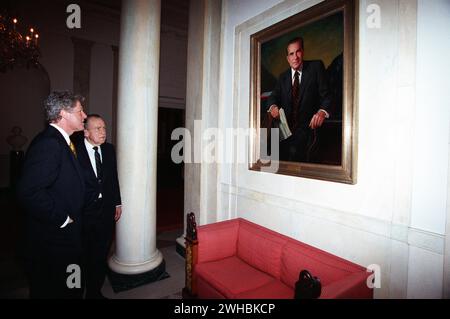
[403,233]
[174,31]
[275,14]
[82,51]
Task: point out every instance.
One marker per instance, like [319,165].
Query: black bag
[307,286]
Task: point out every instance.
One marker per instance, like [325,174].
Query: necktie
[295,101]
[98,163]
[72,148]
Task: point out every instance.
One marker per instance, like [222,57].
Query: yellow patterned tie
[72,148]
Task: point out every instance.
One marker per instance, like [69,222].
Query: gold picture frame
[326,28]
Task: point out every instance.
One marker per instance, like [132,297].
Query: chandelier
[17,49]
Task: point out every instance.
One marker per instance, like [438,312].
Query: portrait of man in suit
[52,189]
[102,208]
[303,95]
[304,88]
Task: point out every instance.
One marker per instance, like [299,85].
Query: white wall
[101,84]
[385,218]
[99,25]
[430,170]
[57,59]
[433,101]
[234,12]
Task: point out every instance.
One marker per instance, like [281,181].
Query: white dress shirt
[300,72]
[64,133]
[91,153]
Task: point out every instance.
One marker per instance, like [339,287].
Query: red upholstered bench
[240,259]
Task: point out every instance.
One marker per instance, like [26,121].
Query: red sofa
[240,259]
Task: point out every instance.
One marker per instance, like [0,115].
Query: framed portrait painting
[303,93]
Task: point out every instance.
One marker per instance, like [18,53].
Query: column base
[180,246]
[121,282]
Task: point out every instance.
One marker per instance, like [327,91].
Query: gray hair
[58,101]
[91,116]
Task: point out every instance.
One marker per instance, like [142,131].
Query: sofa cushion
[326,267]
[231,276]
[205,290]
[260,248]
[218,242]
[273,290]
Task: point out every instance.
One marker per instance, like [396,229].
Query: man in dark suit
[51,189]
[103,205]
[302,92]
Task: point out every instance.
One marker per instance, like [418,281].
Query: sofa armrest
[352,286]
[217,241]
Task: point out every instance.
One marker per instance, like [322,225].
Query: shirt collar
[89,145]
[300,70]
[64,133]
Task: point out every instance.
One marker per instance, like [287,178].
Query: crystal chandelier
[17,49]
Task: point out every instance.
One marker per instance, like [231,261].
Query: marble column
[136,259]
[115,50]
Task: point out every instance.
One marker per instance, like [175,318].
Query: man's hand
[274,111]
[118,213]
[317,120]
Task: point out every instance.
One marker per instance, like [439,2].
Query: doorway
[170,176]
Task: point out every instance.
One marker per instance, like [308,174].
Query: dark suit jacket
[313,91]
[51,188]
[109,185]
